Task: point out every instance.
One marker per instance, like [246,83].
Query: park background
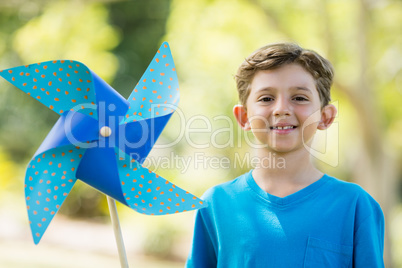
[208,39]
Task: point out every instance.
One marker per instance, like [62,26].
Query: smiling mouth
[285,127]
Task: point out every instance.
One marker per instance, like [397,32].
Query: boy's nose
[281,107]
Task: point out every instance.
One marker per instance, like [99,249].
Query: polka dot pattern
[148,193]
[61,85]
[49,179]
[157,92]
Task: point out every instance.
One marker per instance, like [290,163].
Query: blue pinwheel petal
[99,169]
[148,193]
[60,85]
[111,106]
[72,128]
[49,179]
[137,138]
[157,92]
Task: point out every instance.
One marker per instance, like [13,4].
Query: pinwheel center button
[105,131]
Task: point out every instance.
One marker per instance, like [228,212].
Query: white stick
[117,232]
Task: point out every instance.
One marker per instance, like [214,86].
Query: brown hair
[276,55]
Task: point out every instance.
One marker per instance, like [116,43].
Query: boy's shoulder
[354,195]
[347,188]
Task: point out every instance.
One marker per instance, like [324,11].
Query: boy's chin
[283,149]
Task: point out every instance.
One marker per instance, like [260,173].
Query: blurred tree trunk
[375,170]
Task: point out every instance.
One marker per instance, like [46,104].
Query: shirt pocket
[326,254]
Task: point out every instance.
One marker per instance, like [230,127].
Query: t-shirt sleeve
[369,238]
[202,253]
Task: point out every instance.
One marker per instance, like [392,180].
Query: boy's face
[283,108]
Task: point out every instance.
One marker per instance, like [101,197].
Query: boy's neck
[290,173]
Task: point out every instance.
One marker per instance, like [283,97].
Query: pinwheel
[100,138]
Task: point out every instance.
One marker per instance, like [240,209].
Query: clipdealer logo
[200,132]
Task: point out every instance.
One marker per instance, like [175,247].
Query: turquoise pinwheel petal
[157,92]
[49,179]
[148,193]
[60,85]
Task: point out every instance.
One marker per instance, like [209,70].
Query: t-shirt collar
[287,200]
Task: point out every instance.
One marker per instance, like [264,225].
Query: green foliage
[70,30]
[141,25]
[395,229]
[9,172]
[85,202]
[160,240]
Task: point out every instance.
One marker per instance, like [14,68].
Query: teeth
[286,127]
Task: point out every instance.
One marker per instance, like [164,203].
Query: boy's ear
[240,114]
[328,114]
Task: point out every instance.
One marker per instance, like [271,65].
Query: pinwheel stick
[117,232]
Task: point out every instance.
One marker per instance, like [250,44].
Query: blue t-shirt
[330,223]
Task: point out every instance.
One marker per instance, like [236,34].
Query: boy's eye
[265,99]
[300,98]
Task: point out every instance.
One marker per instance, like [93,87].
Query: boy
[294,215]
